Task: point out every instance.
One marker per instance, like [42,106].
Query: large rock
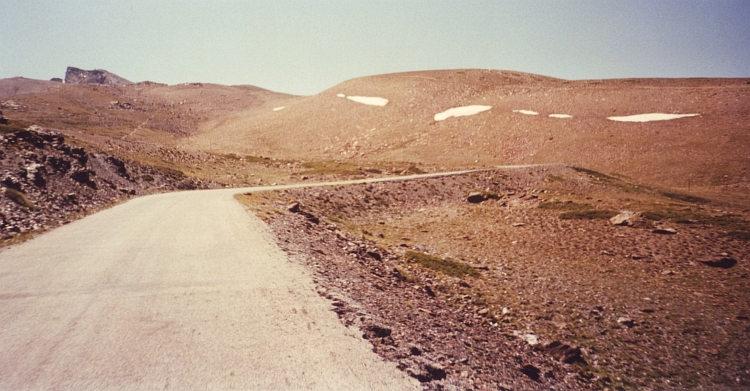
[97,76]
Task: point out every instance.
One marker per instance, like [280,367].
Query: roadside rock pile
[45,181]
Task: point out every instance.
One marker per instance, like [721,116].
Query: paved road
[183,290]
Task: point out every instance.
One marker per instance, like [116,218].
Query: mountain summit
[97,76]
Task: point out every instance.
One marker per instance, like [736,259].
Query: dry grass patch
[19,198]
[592,214]
[442,265]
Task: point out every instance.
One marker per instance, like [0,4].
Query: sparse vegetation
[590,214]
[445,266]
[19,198]
[685,198]
[563,205]
[405,275]
[170,171]
[330,168]
[609,180]
[13,126]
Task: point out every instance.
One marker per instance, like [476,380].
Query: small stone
[531,339]
[429,291]
[378,331]
[436,371]
[531,371]
[518,224]
[667,273]
[565,353]
[627,322]
[483,311]
[476,197]
[665,231]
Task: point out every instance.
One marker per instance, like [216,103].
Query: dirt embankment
[532,287]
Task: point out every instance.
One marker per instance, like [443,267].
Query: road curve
[182,290]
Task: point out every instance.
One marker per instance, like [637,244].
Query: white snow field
[650,117]
[369,100]
[461,111]
[279,108]
[527,112]
[560,116]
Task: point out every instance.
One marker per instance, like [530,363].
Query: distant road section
[173,291]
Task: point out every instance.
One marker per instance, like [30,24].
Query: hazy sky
[304,47]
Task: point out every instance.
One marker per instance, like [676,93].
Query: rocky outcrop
[44,180]
[97,76]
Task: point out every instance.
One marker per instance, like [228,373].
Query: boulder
[97,76]
[3,120]
[625,218]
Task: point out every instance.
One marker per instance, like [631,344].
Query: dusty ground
[644,308]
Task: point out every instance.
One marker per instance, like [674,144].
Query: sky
[306,46]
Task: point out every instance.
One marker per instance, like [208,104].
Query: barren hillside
[707,151]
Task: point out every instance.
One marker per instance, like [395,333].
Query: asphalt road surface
[182,290]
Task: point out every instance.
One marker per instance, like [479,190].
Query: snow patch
[527,112]
[279,108]
[650,117]
[369,100]
[341,95]
[561,116]
[461,112]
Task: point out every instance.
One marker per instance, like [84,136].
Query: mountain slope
[705,150]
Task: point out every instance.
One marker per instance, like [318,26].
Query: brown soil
[644,308]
